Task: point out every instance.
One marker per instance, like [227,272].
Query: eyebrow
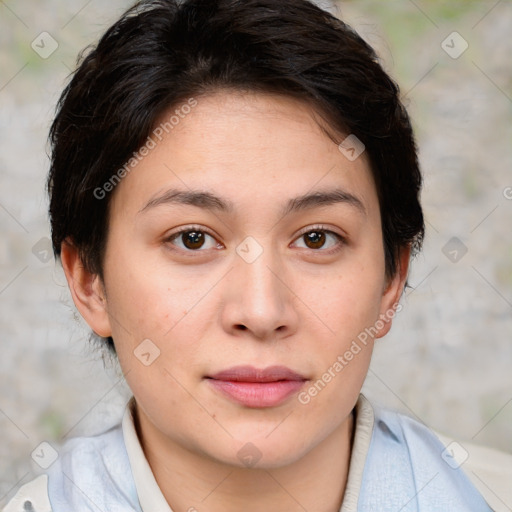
[209,201]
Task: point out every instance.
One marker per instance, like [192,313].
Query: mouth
[256,388]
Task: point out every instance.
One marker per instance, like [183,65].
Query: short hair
[160,53]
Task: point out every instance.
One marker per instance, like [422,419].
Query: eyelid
[191,227]
[319,227]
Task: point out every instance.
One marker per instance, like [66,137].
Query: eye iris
[193,239]
[317,238]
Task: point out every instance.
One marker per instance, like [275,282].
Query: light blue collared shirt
[397,465]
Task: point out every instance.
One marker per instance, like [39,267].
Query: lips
[251,374]
[252,387]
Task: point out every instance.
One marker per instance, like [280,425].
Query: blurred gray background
[448,358]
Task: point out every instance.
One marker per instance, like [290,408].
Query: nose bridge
[260,301]
[258,265]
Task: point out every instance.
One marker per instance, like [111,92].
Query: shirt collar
[362,436]
[151,498]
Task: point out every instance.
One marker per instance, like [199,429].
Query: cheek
[153,300]
[151,326]
[349,306]
[142,293]
[347,301]
[141,301]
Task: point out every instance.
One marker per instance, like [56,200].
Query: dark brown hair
[162,52]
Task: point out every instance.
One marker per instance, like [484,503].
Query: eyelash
[341,241]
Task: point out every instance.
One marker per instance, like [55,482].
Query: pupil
[194,239]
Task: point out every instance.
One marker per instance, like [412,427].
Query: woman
[234,197]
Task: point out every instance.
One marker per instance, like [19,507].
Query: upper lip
[251,374]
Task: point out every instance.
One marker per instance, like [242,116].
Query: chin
[260,453]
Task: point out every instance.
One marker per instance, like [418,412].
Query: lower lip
[258,394]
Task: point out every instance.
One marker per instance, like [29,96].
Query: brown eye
[314,239]
[321,240]
[192,240]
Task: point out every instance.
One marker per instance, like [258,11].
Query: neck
[193,482]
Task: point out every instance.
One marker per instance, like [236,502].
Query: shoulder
[409,469]
[489,470]
[89,473]
[31,496]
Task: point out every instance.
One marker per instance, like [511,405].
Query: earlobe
[391,296]
[86,289]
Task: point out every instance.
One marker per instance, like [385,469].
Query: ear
[391,296]
[86,289]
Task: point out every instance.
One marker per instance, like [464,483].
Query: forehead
[243,146]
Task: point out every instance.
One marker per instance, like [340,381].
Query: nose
[259,298]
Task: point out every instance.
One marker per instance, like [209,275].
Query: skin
[207,309]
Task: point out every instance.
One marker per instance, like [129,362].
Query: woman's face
[268,272]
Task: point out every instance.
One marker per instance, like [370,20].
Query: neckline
[151,498]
